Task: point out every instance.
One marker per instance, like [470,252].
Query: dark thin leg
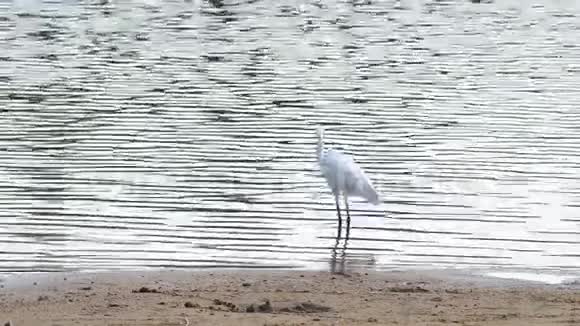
[343,256]
[347,217]
[339,217]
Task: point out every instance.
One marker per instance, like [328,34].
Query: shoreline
[278,297]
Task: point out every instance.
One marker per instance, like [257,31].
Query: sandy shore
[281,298]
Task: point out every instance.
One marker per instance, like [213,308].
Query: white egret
[344,177]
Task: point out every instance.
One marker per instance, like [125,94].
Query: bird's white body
[343,175]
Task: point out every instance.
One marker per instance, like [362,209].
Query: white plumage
[344,177]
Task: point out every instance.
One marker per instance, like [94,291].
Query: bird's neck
[319,148]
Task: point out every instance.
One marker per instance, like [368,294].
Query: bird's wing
[357,183]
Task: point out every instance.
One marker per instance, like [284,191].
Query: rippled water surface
[181,134]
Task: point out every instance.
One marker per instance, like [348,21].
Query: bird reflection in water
[340,259]
[338,264]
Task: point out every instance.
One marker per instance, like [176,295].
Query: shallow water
[152,134]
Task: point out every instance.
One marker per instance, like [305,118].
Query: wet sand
[282,298]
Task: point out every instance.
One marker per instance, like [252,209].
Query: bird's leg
[339,217]
[343,256]
[347,216]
